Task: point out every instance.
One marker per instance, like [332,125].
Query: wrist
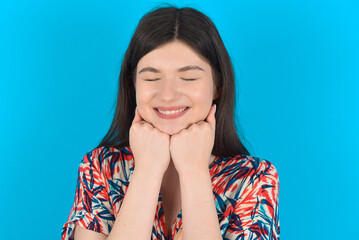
[148,174]
[194,173]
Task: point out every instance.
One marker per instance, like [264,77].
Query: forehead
[173,55]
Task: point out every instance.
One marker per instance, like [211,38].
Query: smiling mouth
[172,112]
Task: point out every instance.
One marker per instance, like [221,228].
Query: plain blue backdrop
[296,64]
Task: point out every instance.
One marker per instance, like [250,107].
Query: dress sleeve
[256,214]
[92,207]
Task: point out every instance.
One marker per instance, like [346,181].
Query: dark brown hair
[161,26]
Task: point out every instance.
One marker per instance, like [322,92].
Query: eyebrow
[182,69]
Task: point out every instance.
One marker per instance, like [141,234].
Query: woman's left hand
[191,148]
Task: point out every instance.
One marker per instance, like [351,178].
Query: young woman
[172,165]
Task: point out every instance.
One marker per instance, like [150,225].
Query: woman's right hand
[150,147]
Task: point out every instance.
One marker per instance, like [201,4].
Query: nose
[169,90]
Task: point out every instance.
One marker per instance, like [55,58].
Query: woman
[172,165]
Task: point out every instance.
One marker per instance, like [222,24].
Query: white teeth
[172,112]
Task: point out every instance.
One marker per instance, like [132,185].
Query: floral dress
[245,192]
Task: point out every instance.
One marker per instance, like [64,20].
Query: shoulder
[108,160]
[242,176]
[246,171]
[108,154]
[254,165]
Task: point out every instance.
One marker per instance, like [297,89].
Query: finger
[211,119]
[137,117]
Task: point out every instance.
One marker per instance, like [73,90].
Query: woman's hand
[149,146]
[191,148]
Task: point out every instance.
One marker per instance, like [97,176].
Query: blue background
[296,63]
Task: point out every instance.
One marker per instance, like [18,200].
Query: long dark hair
[161,26]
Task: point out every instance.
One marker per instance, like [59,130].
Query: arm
[200,220]
[191,150]
[93,207]
[136,215]
[83,233]
[256,214]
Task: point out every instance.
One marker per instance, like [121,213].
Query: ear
[217,93]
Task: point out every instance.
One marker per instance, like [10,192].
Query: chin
[170,130]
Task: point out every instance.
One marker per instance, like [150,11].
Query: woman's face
[174,87]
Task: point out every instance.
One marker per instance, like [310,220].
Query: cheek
[143,99]
[143,95]
[203,95]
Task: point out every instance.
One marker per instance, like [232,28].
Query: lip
[171,116]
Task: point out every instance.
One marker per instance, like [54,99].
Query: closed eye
[189,79]
[150,80]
